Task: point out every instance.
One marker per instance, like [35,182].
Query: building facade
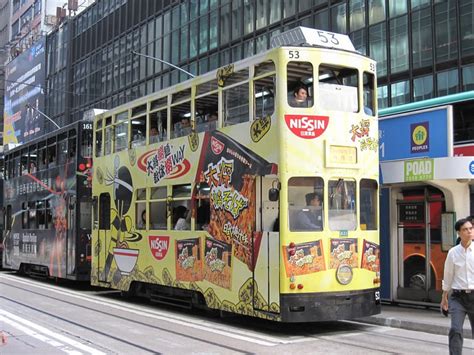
[424,48]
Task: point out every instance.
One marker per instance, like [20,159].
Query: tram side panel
[217,260]
[37,210]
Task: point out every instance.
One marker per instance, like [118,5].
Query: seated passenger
[310,218]
[182,218]
[154,135]
[300,97]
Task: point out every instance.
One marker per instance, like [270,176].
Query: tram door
[420,254]
[265,246]
[104,237]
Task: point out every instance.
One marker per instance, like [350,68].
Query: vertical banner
[24,80]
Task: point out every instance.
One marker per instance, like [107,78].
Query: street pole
[164,62]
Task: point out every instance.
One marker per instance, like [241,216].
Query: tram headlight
[344,274]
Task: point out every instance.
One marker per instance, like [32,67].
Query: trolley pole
[164,62]
[43,114]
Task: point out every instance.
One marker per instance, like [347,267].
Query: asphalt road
[40,317]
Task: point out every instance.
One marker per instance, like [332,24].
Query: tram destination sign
[412,212]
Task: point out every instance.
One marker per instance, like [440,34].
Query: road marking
[227,331]
[34,330]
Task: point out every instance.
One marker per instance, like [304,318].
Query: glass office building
[424,48]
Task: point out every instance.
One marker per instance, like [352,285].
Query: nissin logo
[307,127]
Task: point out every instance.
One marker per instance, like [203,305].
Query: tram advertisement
[40,224]
[230,169]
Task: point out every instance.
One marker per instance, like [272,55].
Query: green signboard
[419,170]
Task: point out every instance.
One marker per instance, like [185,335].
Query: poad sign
[419,170]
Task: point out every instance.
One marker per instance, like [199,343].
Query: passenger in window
[300,97]
[182,217]
[154,135]
[203,215]
[32,167]
[310,218]
[142,222]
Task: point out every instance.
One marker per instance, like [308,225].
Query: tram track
[131,309]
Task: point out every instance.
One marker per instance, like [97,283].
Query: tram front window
[342,205]
[305,201]
[299,86]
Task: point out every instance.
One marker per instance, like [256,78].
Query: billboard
[24,80]
[418,134]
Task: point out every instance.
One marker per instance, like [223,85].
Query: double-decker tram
[252,189]
[47,202]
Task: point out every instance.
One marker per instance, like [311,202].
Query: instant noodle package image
[370,256]
[304,258]
[217,263]
[188,260]
[343,252]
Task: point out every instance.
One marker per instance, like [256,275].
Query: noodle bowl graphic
[126,259]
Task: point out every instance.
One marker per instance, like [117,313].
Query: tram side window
[43,158]
[158,208]
[41,214]
[206,112]
[300,84]
[16,165]
[31,215]
[109,132]
[52,152]
[305,201]
[342,204]
[24,215]
[338,88]
[104,211]
[24,162]
[181,120]
[72,147]
[158,123]
[121,136]
[203,206]
[369,92]
[138,131]
[181,207]
[62,151]
[264,95]
[236,104]
[33,164]
[98,138]
[368,204]
[140,210]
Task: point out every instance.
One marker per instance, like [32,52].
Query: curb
[411,325]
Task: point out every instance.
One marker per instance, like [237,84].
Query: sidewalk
[422,319]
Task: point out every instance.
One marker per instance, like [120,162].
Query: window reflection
[447,82]
[423,88]
[398,44]
[446,38]
[378,47]
[422,38]
[400,93]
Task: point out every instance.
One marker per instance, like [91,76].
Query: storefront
[425,188]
